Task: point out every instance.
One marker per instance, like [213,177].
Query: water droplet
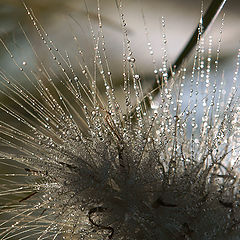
[131,59]
[136,76]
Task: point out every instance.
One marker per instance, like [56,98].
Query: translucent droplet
[137,77]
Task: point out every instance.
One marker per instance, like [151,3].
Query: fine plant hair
[83,163]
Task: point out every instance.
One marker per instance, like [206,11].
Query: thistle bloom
[88,166]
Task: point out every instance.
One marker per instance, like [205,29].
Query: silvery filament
[88,163]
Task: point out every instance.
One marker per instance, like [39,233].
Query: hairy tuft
[93,164]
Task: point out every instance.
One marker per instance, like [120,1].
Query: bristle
[81,163]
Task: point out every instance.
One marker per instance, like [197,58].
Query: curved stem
[208,18]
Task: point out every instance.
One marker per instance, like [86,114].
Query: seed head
[94,165]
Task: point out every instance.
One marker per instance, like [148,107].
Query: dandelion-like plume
[86,165]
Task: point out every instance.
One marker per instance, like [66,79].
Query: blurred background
[62,19]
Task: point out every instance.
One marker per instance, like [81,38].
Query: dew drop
[137,77]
